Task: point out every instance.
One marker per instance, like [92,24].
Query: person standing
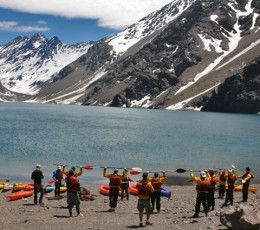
[156,194]
[73,186]
[213,179]
[246,177]
[57,176]
[231,179]
[125,185]
[202,192]
[222,183]
[76,174]
[144,190]
[114,186]
[37,177]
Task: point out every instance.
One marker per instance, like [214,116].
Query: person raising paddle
[114,186]
[157,182]
[202,192]
[76,174]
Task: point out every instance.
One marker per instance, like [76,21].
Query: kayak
[20,195]
[104,190]
[18,187]
[239,188]
[2,186]
[49,188]
[164,192]
[63,189]
[29,187]
[7,187]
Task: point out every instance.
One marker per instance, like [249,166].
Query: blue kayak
[49,188]
[165,193]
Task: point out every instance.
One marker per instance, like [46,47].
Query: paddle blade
[181,170]
[135,171]
[88,167]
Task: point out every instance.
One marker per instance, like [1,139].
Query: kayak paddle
[134,171]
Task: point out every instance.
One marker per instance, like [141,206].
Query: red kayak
[20,195]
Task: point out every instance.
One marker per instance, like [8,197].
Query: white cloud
[115,14]
[15,27]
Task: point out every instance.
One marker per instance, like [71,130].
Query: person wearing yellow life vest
[157,182]
[76,174]
[231,179]
[213,179]
[202,192]
[114,186]
[246,177]
[144,190]
[222,183]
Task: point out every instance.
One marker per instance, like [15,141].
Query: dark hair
[71,172]
[145,175]
[156,174]
[73,168]
[247,168]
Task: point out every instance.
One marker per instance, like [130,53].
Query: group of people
[149,188]
[72,182]
[149,191]
[206,184]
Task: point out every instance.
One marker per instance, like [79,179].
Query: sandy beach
[175,212]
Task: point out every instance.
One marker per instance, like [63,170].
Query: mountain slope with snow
[26,64]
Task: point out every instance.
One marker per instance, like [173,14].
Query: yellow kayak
[2,186]
[18,187]
[63,189]
[240,188]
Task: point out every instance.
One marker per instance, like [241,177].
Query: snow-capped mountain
[28,63]
[173,58]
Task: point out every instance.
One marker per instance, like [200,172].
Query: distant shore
[175,212]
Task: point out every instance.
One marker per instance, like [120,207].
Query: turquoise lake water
[153,140]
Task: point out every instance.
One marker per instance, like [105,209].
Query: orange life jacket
[213,182]
[231,181]
[203,186]
[156,183]
[222,178]
[143,189]
[114,180]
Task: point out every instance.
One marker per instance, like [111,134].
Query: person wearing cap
[37,177]
[202,192]
[213,179]
[114,186]
[157,182]
[246,177]
[231,179]
[57,176]
[222,183]
[125,185]
[76,174]
[73,186]
[144,191]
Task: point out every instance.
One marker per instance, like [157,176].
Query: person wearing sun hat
[37,177]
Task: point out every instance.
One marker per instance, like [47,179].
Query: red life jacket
[213,182]
[143,189]
[114,180]
[59,175]
[72,184]
[156,183]
[203,186]
[222,178]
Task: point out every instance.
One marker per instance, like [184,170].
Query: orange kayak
[239,188]
[104,190]
[20,195]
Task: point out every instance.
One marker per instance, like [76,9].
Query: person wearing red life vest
[231,179]
[246,177]
[125,185]
[73,186]
[222,184]
[144,190]
[202,192]
[213,179]
[57,176]
[157,182]
[114,186]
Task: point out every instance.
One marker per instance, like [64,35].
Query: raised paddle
[133,171]
[136,172]
[180,170]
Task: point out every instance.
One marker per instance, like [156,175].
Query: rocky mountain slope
[174,58]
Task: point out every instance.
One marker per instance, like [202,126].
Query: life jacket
[125,183]
[59,175]
[231,181]
[222,178]
[156,183]
[143,189]
[114,180]
[71,186]
[245,176]
[203,186]
[213,181]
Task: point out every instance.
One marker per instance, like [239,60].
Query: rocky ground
[176,212]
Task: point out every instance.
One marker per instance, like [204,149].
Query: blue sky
[72,21]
